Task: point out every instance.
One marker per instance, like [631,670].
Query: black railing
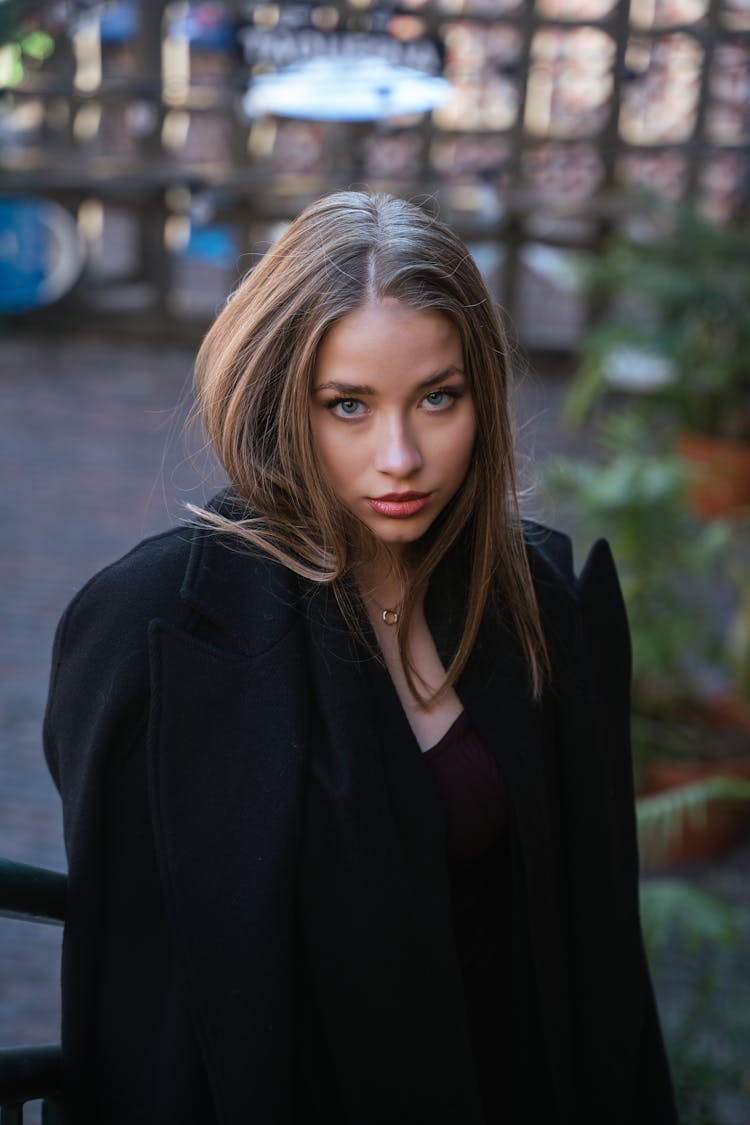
[30,1073]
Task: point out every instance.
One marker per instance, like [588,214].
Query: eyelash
[449,392]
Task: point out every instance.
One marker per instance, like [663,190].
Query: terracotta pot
[725,712]
[719,473]
[723,821]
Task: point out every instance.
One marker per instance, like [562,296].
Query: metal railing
[29,1074]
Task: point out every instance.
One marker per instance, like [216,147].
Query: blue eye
[345,407]
[441,399]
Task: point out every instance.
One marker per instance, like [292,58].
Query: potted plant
[677,322]
[687,766]
[633,493]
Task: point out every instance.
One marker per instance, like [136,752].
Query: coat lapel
[494,689]
[594,721]
[227,761]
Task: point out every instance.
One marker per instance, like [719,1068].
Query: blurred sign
[283,46]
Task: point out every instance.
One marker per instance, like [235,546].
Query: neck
[381,592]
[381,583]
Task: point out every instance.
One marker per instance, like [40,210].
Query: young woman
[344,761]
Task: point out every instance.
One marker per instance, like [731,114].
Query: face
[393,422]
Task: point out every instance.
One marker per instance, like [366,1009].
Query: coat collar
[251,599]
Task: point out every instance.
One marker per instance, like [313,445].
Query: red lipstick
[398,505]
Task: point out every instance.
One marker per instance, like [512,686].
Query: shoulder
[588,600]
[547,548]
[583,607]
[149,578]
[102,638]
[204,580]
[551,558]
[143,583]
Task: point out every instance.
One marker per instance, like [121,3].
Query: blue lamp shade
[41,255]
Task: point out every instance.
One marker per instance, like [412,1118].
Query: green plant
[677,302]
[695,943]
[633,495]
[22,40]
[24,17]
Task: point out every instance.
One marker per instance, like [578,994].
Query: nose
[397,452]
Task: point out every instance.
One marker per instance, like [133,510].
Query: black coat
[259,917]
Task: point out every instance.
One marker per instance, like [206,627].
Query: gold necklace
[388,616]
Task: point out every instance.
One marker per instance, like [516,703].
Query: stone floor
[94,454]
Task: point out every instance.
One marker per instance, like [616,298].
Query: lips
[399,505]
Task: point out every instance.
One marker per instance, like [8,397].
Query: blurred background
[595,156]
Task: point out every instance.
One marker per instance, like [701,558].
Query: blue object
[213,244]
[119,22]
[40,252]
[22,255]
[207,26]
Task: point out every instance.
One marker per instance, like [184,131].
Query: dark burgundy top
[475,807]
[472,791]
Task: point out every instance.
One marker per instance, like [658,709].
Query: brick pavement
[92,457]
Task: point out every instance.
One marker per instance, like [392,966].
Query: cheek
[462,446]
[333,452]
[317,437]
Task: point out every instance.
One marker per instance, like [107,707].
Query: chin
[402,536]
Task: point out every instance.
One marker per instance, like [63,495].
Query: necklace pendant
[390,616]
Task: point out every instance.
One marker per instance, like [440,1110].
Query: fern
[663,817]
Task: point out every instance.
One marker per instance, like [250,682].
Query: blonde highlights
[254,372]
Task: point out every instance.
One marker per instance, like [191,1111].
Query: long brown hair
[254,372]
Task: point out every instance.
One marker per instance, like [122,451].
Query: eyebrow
[354,389]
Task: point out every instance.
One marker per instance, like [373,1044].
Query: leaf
[677,908]
[663,817]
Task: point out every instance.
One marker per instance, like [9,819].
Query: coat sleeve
[125,1018]
[607,643]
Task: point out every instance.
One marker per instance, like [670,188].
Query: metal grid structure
[557,106]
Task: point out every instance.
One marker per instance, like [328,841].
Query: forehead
[387,336]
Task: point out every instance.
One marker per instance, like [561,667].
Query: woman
[344,762]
